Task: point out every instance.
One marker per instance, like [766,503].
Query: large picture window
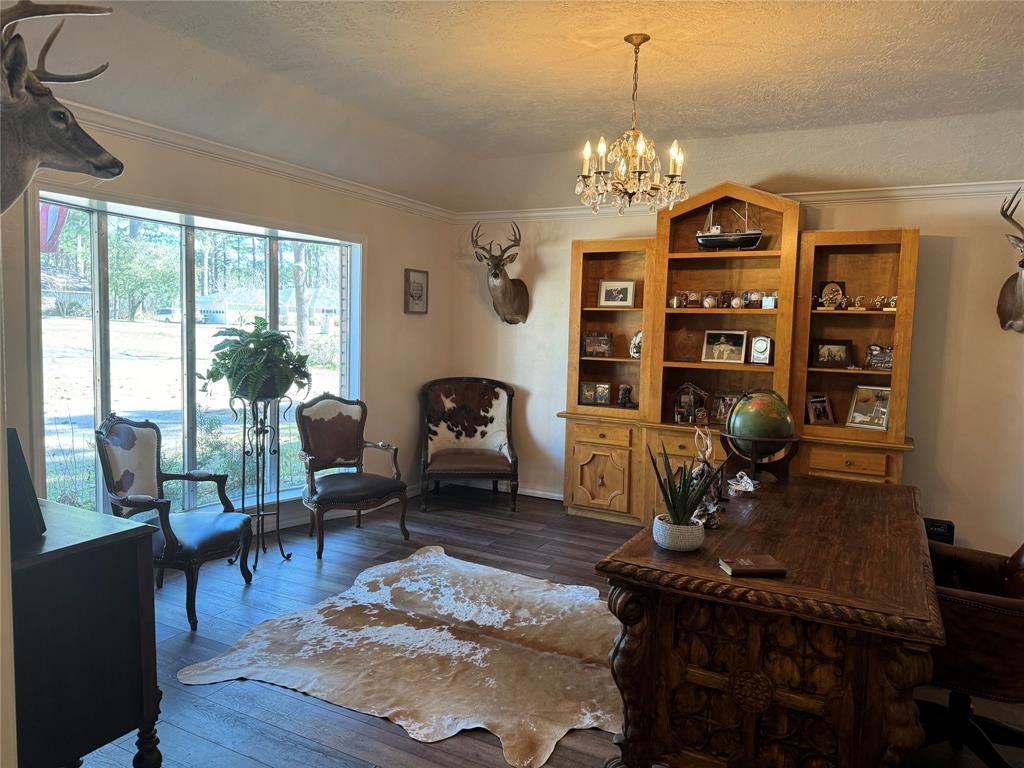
[130,303]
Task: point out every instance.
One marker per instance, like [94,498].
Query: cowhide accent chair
[331,432]
[130,458]
[467,433]
[981,597]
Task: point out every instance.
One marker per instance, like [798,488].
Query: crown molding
[132,128]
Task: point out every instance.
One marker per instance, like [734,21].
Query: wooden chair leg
[159,578]
[312,522]
[191,582]
[424,492]
[514,488]
[243,560]
[319,534]
[401,520]
[359,518]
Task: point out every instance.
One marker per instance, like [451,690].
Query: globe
[760,415]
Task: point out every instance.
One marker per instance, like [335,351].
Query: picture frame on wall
[725,347]
[616,293]
[831,353]
[819,409]
[869,408]
[416,291]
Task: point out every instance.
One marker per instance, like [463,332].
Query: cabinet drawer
[828,459]
[679,443]
[601,434]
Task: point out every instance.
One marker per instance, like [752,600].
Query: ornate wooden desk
[816,669]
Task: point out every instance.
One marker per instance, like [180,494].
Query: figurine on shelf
[832,292]
[626,397]
[738,302]
[677,301]
[689,397]
[858,304]
[707,513]
[890,304]
[635,344]
[843,301]
[725,299]
[876,303]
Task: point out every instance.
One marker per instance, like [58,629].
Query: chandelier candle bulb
[586,159]
[602,151]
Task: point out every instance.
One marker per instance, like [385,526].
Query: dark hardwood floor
[244,724]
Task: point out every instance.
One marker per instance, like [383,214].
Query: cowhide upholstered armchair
[130,459]
[331,433]
[467,433]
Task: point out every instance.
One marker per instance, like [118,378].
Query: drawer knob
[601,435]
[682,446]
[600,480]
[847,462]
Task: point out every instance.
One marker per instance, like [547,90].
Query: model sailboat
[712,238]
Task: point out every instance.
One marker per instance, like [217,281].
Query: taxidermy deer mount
[509,296]
[1010,307]
[37,130]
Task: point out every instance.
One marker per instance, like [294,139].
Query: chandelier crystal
[629,169]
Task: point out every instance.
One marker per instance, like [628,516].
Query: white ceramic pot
[681,538]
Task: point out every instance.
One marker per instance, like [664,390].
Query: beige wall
[399,351]
[967,383]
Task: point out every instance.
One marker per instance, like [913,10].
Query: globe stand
[757,472]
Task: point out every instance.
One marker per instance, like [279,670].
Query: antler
[29,10]
[517,238]
[45,76]
[474,238]
[1009,208]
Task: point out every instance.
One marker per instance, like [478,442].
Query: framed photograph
[416,291]
[725,347]
[869,408]
[819,409]
[597,344]
[588,393]
[603,394]
[720,407]
[831,353]
[616,293]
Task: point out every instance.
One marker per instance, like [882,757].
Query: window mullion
[188,360]
[274,317]
[101,336]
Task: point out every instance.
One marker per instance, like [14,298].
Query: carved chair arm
[309,461]
[382,446]
[199,476]
[136,503]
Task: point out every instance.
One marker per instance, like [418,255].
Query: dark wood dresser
[814,669]
[84,638]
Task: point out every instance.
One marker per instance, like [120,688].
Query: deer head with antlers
[37,130]
[509,296]
[1010,307]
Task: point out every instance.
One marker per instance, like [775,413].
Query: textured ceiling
[439,81]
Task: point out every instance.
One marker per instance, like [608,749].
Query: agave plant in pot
[260,364]
[683,496]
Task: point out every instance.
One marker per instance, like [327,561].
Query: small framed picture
[869,408]
[416,291]
[819,409]
[720,407]
[831,353]
[597,344]
[725,347]
[770,300]
[588,393]
[603,394]
[616,293]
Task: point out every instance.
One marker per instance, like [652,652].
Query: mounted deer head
[509,296]
[1010,307]
[37,130]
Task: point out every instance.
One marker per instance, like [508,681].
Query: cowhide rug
[439,645]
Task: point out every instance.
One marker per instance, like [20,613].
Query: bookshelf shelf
[702,311]
[611,359]
[725,254]
[872,313]
[720,366]
[849,371]
[612,309]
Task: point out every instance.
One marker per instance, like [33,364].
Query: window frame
[352,253]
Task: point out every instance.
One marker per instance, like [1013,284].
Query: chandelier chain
[636,80]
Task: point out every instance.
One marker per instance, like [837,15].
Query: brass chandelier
[629,169]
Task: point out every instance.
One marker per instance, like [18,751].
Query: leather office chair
[467,433]
[130,459]
[331,432]
[981,596]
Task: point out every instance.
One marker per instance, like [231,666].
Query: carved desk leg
[148,756]
[631,670]
[903,667]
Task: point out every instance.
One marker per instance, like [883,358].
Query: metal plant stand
[260,442]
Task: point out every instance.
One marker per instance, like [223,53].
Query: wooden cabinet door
[600,478]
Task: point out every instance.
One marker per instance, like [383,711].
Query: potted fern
[260,364]
[676,528]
